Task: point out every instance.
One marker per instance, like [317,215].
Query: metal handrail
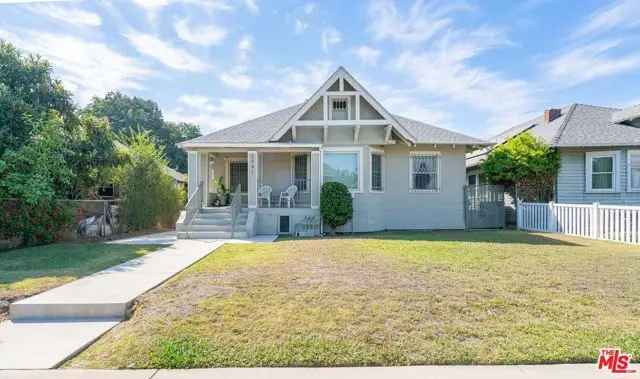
[236,204]
[194,204]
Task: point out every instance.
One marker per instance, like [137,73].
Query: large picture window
[602,171]
[634,170]
[424,171]
[342,167]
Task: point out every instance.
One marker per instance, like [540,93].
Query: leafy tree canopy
[527,162]
[130,115]
[28,93]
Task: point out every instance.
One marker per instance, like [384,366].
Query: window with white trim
[634,170]
[342,166]
[602,171]
[424,169]
[340,108]
[377,171]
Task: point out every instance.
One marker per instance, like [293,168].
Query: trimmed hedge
[336,204]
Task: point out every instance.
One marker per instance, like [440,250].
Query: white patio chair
[289,195]
[264,192]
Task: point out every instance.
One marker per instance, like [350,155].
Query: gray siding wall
[400,208]
[571,181]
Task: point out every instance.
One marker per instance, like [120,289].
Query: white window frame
[383,174]
[438,171]
[345,150]
[339,98]
[589,156]
[629,172]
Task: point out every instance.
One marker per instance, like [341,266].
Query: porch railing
[236,206]
[302,198]
[194,204]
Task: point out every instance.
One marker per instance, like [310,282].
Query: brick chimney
[551,114]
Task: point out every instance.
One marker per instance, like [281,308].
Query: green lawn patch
[26,272]
[396,298]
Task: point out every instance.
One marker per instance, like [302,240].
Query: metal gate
[484,206]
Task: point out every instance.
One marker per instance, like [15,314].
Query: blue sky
[472,66]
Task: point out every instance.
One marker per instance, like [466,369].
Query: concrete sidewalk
[577,371]
[48,328]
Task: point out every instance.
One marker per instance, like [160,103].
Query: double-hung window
[633,164]
[342,166]
[424,171]
[602,171]
[376,161]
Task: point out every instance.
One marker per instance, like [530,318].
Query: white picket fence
[605,222]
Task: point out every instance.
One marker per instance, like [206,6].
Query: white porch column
[315,179]
[252,172]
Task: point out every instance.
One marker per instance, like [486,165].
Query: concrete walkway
[578,371]
[48,328]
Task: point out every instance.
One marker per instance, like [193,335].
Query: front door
[238,176]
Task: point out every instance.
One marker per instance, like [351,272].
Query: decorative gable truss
[341,102]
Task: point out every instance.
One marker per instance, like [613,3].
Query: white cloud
[252,6]
[300,26]
[367,54]
[153,7]
[589,62]
[237,79]
[67,14]
[309,8]
[165,53]
[621,14]
[420,23]
[31,1]
[205,35]
[86,68]
[329,37]
[213,115]
[444,69]
[245,46]
[292,85]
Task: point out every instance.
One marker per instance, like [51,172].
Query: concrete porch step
[218,220]
[214,227]
[210,235]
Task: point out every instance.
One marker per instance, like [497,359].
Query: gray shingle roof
[579,125]
[534,126]
[261,129]
[425,133]
[258,130]
[590,125]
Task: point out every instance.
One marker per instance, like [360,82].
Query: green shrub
[149,196]
[336,204]
[35,224]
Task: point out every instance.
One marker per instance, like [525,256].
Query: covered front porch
[267,178]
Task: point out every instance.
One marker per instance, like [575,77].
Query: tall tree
[131,115]
[27,94]
[526,162]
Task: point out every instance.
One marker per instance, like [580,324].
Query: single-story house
[599,152]
[402,173]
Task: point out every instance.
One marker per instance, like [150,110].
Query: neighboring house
[599,152]
[403,174]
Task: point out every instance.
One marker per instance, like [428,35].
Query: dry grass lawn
[395,298]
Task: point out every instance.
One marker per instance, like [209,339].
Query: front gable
[341,104]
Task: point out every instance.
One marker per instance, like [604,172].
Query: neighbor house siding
[571,181]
